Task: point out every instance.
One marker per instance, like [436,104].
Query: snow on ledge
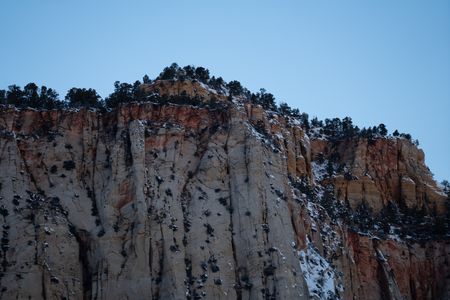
[318,274]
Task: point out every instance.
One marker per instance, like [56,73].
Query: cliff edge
[223,199]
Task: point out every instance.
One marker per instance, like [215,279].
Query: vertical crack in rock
[84,245]
[388,285]
[128,152]
[150,262]
[160,264]
[237,284]
[185,197]
[95,210]
[233,248]
[43,286]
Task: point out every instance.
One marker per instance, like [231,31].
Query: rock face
[171,201]
[386,170]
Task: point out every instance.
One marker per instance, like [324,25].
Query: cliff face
[176,201]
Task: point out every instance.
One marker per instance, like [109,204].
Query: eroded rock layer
[179,202]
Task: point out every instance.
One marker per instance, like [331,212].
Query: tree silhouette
[235,88]
[3,97]
[348,129]
[266,100]
[202,74]
[189,71]
[304,119]
[15,96]
[49,99]
[146,79]
[125,93]
[285,109]
[406,136]
[169,73]
[216,83]
[31,94]
[382,129]
[81,97]
[42,98]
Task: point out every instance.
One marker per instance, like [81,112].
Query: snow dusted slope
[319,275]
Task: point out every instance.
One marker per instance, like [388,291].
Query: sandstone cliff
[152,201]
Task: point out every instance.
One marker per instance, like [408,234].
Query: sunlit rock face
[231,201]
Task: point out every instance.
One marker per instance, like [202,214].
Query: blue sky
[375,61]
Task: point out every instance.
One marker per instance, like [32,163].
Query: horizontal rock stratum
[232,201]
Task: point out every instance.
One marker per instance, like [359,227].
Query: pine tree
[146,79]
[382,129]
[235,88]
[3,97]
[31,95]
[285,109]
[123,93]
[16,96]
[169,73]
[202,74]
[81,97]
[49,98]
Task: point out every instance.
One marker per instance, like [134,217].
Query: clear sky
[375,61]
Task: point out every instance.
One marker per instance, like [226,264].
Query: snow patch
[318,273]
[208,88]
[319,170]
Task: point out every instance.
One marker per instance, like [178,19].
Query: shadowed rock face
[180,202]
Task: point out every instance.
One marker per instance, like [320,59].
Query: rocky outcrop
[381,171]
[182,202]
[188,87]
[390,269]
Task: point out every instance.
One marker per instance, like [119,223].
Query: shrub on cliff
[446,186]
[202,74]
[333,127]
[81,97]
[49,99]
[216,83]
[146,79]
[124,93]
[169,73]
[185,99]
[31,96]
[189,71]
[382,129]
[406,136]
[341,129]
[235,88]
[3,97]
[316,123]
[348,130]
[285,109]
[15,96]
[174,72]
[266,100]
